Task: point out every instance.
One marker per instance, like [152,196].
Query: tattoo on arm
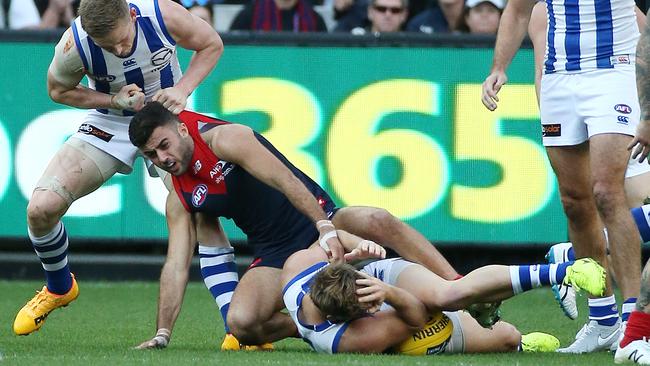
[644,296]
[643,72]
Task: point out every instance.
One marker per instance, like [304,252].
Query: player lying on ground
[223,169]
[387,303]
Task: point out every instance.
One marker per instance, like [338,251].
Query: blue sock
[219,272]
[640,215]
[628,306]
[528,277]
[52,250]
[603,310]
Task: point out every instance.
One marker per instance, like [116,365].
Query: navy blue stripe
[572,40]
[544,277]
[315,327]
[218,269]
[56,259]
[303,274]
[166,77]
[134,76]
[52,246]
[153,41]
[222,288]
[642,223]
[549,65]
[337,338]
[99,69]
[75,32]
[524,278]
[604,34]
[205,255]
[161,22]
[598,311]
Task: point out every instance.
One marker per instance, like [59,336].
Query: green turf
[109,319]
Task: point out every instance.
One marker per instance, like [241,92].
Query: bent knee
[243,326]
[45,209]
[382,221]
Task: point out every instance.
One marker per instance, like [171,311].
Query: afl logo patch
[162,57]
[199,195]
[623,108]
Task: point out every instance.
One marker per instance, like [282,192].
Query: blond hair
[333,291]
[100,17]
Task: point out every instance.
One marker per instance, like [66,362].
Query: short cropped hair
[150,117]
[334,292]
[100,17]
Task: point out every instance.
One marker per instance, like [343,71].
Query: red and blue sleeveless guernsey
[220,188]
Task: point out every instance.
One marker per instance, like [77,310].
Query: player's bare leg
[609,157]
[75,171]
[254,316]
[382,227]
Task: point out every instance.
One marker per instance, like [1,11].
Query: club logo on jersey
[104,78]
[128,63]
[89,129]
[197,166]
[623,108]
[623,120]
[199,194]
[162,57]
[552,130]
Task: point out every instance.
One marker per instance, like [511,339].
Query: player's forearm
[643,72]
[512,30]
[409,308]
[81,97]
[173,281]
[201,64]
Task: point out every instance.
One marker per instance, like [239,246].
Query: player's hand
[491,87]
[640,144]
[364,250]
[372,292]
[160,341]
[129,97]
[329,240]
[171,98]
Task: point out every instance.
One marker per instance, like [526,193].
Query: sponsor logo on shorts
[89,129]
[623,108]
[552,130]
[199,194]
[623,120]
[104,78]
[161,58]
[128,63]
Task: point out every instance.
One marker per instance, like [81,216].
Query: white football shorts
[574,107]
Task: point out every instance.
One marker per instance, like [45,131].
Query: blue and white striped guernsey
[585,35]
[152,63]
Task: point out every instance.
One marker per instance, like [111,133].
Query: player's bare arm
[175,271]
[512,29]
[385,329]
[64,76]
[641,141]
[192,33]
[238,144]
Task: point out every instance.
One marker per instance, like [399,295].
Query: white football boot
[637,352]
[564,294]
[594,337]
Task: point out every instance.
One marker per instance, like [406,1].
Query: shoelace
[40,298]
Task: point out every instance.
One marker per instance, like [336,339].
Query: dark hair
[150,117]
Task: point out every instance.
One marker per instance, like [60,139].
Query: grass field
[109,318]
